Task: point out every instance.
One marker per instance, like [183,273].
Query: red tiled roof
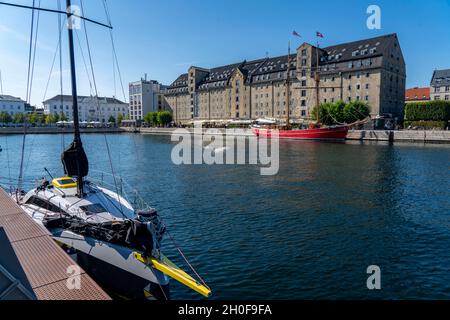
[417,94]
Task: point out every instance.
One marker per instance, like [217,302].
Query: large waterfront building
[12,105]
[145,97]
[440,85]
[371,70]
[417,95]
[99,109]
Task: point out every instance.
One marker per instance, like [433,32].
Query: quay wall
[401,136]
[361,135]
[431,136]
[54,130]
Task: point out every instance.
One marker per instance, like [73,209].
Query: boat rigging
[118,244]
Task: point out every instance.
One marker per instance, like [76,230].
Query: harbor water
[309,232]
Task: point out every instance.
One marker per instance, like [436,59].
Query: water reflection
[308,232]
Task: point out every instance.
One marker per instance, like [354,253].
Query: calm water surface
[310,232]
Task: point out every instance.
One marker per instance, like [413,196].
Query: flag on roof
[320,35]
[295,33]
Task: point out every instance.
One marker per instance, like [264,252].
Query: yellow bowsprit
[169,268]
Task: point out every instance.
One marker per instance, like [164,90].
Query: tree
[164,118]
[339,112]
[50,119]
[62,117]
[5,117]
[33,118]
[19,118]
[151,118]
[356,111]
[119,119]
[112,119]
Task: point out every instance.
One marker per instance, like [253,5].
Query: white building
[145,97]
[89,108]
[12,105]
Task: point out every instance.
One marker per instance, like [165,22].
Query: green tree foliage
[62,117]
[356,111]
[33,118]
[19,118]
[50,119]
[428,111]
[340,112]
[5,117]
[112,119]
[151,118]
[119,119]
[164,118]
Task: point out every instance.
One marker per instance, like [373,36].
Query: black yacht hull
[120,282]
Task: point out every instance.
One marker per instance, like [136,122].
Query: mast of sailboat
[288,98]
[317,80]
[77,135]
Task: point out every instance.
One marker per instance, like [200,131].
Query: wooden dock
[45,265]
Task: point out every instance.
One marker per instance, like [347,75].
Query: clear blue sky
[164,38]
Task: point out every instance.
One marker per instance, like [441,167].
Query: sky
[163,38]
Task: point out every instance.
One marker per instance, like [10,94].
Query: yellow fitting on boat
[169,268]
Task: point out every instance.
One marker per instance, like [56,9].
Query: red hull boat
[335,133]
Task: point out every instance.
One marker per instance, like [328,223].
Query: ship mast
[288,98]
[317,80]
[77,135]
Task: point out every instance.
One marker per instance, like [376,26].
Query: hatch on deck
[64,183]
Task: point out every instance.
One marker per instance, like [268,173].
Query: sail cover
[75,161]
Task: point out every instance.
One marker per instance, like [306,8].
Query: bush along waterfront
[341,113]
[428,115]
[158,119]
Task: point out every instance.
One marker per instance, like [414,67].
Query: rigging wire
[19,186]
[98,107]
[84,61]
[105,5]
[53,64]
[34,52]
[60,70]
[30,50]
[89,53]
[7,159]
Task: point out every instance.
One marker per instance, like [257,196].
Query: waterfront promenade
[56,130]
[423,136]
[420,136]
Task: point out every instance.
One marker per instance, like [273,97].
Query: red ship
[331,133]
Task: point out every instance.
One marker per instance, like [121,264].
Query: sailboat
[119,246]
[315,131]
